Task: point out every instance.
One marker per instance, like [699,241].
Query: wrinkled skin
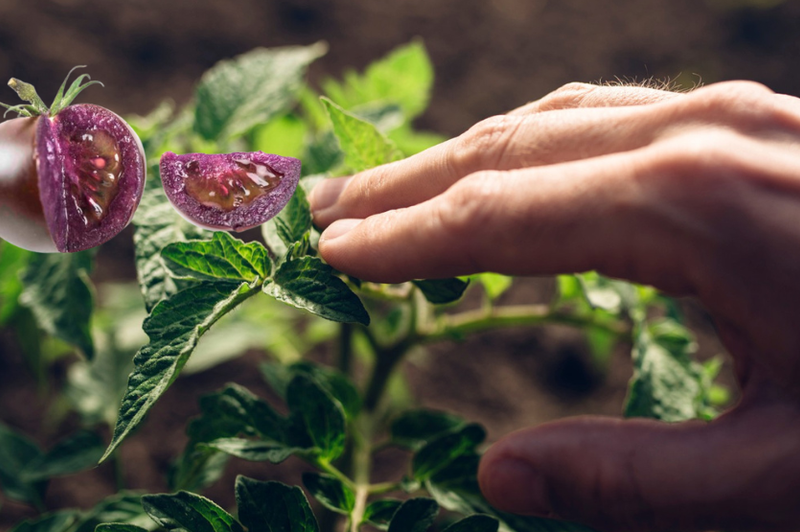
[697,194]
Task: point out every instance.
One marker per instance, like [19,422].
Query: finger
[499,143]
[575,216]
[575,95]
[645,475]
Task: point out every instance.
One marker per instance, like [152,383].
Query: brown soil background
[490,56]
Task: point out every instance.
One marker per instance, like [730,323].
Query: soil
[490,56]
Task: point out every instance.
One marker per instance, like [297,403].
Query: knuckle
[739,104]
[483,145]
[468,208]
[567,96]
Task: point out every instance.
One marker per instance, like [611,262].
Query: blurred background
[489,56]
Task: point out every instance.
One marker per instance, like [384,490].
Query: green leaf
[16,453]
[379,513]
[123,509]
[494,284]
[414,515]
[404,77]
[321,415]
[410,141]
[158,224]
[52,522]
[278,376]
[331,492]
[186,511]
[223,257]
[228,413]
[310,284]
[254,451]
[251,89]
[415,428]
[273,507]
[174,327]
[440,452]
[666,383]
[12,261]
[118,527]
[323,153]
[58,292]
[475,523]
[289,226]
[285,136]
[363,145]
[73,454]
[441,291]
[95,388]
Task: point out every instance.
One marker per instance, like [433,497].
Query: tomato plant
[191,280]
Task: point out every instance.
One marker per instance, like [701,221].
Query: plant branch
[458,325]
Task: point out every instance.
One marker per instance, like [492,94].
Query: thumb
[740,471]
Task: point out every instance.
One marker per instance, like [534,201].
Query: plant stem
[362,464]
[458,325]
[346,348]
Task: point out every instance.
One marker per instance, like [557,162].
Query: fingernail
[339,228]
[512,485]
[327,192]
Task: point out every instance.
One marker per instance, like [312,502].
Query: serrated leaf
[331,492]
[158,224]
[231,412]
[475,523]
[189,512]
[414,515]
[364,146]
[123,509]
[12,261]
[310,284]
[323,153]
[223,257]
[322,416]
[59,293]
[415,428]
[273,507]
[442,291]
[445,448]
[73,454]
[174,327]
[253,450]
[404,77]
[666,383]
[17,451]
[289,226]
[379,513]
[236,95]
[53,522]
[278,376]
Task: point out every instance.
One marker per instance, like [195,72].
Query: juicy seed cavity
[94,181]
[232,188]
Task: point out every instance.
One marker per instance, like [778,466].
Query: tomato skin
[22,220]
[41,193]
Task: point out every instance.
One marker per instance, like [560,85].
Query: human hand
[697,194]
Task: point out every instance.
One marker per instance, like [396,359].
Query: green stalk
[458,325]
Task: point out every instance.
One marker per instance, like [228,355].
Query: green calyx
[35,105]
